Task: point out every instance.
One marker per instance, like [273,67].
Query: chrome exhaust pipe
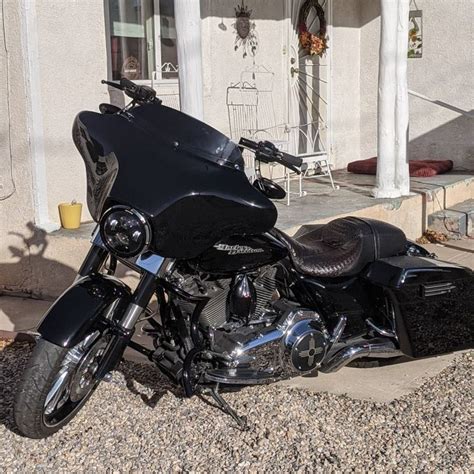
[381,348]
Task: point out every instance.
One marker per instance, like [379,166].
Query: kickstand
[226,408]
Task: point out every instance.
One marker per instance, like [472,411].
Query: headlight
[124,231]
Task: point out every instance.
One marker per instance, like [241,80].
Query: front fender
[81,307]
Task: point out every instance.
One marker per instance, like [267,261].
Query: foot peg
[226,408]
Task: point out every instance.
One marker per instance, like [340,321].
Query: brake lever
[112,84]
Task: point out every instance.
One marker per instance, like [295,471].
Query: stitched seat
[343,247]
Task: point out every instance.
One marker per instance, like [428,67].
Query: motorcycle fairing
[184,175]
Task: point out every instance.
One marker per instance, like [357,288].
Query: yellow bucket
[70,214]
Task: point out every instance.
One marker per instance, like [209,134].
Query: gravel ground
[140,422]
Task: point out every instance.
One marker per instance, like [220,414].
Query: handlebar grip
[248,143]
[291,159]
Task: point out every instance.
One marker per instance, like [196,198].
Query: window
[142,42]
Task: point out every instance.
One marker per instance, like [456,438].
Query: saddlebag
[433,303]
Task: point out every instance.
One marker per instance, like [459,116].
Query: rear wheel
[56,384]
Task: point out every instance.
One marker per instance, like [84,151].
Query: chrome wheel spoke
[58,393]
[74,379]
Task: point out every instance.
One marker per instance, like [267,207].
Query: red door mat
[418,168]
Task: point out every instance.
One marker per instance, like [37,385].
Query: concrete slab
[455,251]
[322,205]
[21,314]
[466,245]
[380,384]
[354,197]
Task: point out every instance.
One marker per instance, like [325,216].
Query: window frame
[156,75]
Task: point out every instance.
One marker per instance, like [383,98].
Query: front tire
[56,384]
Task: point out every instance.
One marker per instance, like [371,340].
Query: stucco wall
[369,63]
[16,212]
[345,97]
[444,73]
[223,65]
[72,60]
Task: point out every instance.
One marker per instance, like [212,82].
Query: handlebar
[267,152]
[138,93]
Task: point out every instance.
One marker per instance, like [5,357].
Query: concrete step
[456,222]
[443,191]
[467,207]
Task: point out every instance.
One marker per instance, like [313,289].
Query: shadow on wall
[31,272]
[31,267]
[225,10]
[36,273]
[454,140]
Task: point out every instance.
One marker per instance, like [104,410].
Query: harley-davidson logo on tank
[237,249]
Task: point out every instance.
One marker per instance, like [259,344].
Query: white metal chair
[316,161]
[252,115]
[242,103]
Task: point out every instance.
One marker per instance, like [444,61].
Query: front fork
[124,327]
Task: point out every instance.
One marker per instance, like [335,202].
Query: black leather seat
[343,247]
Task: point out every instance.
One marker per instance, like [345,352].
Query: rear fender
[82,306]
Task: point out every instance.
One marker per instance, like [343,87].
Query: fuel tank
[240,254]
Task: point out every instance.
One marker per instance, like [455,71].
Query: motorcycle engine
[261,336]
[224,295]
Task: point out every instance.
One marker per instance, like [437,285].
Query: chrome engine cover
[296,344]
[305,346]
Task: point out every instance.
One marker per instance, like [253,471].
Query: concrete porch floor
[322,203]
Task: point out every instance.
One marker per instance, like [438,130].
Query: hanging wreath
[313,43]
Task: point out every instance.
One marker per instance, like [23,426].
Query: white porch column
[29,39]
[188,32]
[402,173]
[392,162]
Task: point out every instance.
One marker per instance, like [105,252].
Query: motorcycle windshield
[187,177]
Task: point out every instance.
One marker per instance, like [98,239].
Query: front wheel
[56,384]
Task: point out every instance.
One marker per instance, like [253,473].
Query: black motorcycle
[238,301]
